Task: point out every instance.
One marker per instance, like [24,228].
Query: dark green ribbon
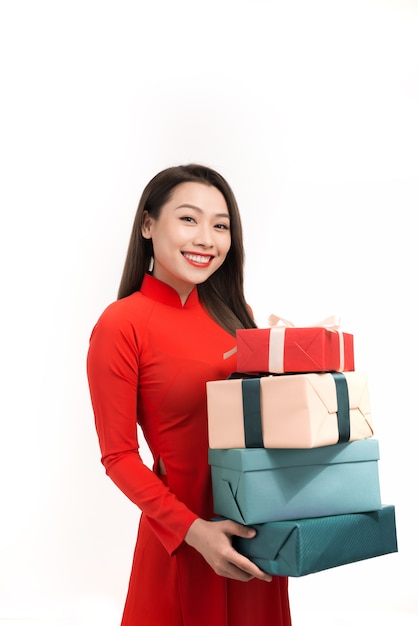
[253,431]
[343,407]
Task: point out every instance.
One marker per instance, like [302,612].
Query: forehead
[200,195]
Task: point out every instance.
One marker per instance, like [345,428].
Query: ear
[146,225]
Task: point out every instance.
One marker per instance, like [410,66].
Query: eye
[188,218]
[222,226]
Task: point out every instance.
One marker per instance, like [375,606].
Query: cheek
[161,249]
[227,245]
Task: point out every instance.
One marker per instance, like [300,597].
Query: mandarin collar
[161,292]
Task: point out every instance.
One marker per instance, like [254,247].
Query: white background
[309,109]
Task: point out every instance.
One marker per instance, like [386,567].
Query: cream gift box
[257,485]
[306,546]
[288,410]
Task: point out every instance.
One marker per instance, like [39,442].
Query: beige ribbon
[230,352]
[277,338]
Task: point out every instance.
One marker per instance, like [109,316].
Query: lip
[198,259]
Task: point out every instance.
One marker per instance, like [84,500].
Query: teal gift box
[257,485]
[301,547]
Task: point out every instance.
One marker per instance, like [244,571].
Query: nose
[203,236]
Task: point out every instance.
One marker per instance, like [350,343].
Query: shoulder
[123,317]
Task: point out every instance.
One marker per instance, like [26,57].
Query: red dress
[148,362]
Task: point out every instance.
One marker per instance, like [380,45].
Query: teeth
[197,258]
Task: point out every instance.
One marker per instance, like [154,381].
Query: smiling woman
[222,293]
[151,354]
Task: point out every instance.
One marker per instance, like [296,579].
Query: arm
[112,370]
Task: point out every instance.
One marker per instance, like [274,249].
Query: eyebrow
[196,208]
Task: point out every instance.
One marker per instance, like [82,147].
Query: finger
[239,530]
[234,572]
[250,568]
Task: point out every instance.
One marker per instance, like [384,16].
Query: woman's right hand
[214,542]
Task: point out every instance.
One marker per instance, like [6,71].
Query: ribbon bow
[331,323]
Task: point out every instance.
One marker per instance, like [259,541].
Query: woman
[151,352]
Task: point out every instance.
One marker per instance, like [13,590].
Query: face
[191,237]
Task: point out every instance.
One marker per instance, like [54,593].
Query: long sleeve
[112,369]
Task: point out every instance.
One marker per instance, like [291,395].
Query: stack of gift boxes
[293,454]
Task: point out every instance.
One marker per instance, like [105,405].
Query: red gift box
[287,349]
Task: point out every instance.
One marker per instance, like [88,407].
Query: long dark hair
[222,294]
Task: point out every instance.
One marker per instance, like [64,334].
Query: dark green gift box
[306,546]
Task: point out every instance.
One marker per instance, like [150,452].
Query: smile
[198,259]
